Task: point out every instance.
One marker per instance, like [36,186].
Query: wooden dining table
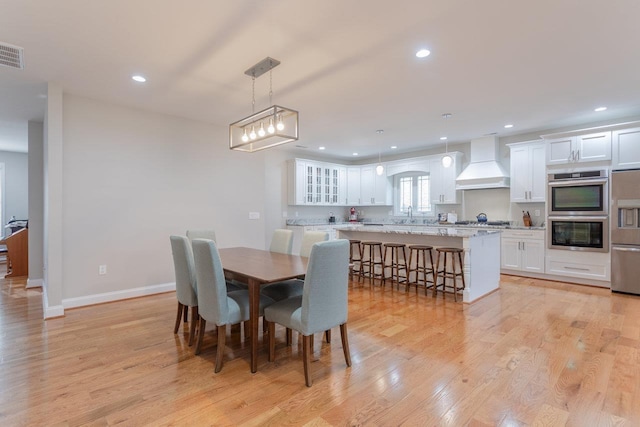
[257,267]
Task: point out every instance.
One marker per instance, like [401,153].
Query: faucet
[410,213]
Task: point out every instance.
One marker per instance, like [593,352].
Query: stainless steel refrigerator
[625,231]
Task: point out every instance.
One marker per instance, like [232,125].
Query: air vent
[11,56]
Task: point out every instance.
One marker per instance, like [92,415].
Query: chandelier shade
[257,132]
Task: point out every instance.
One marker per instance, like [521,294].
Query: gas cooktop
[483,224]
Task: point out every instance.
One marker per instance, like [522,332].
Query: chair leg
[306,358]
[178,318]
[272,341]
[289,337]
[345,344]
[247,329]
[186,313]
[194,323]
[327,336]
[222,335]
[201,327]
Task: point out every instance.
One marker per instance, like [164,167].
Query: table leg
[254,313]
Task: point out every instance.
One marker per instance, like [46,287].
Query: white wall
[16,186]
[133,178]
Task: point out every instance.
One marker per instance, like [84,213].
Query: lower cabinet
[579,264]
[522,250]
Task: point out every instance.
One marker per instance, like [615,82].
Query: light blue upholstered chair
[322,305]
[201,234]
[185,283]
[281,241]
[293,288]
[215,304]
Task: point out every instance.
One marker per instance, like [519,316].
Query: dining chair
[292,288]
[281,241]
[201,234]
[322,305]
[216,305]
[185,283]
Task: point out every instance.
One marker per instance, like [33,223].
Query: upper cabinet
[316,183]
[528,180]
[353,186]
[590,147]
[626,149]
[374,188]
[443,180]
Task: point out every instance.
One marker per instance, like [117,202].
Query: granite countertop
[426,230]
[387,223]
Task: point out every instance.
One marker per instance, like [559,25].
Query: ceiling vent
[11,56]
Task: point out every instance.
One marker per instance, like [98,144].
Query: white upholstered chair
[201,234]
[281,241]
[215,304]
[185,283]
[322,305]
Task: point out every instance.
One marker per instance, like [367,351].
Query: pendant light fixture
[379,168]
[447,160]
[268,128]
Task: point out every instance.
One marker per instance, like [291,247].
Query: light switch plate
[254,215]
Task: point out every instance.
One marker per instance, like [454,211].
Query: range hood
[484,171]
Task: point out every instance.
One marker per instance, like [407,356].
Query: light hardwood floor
[532,353]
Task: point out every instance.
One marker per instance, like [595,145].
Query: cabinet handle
[523,246]
[519,245]
[575,268]
[577,155]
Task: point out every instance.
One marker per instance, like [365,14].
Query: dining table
[257,267]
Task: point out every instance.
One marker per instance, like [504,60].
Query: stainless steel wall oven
[578,211]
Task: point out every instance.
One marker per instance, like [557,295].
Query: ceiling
[349,67]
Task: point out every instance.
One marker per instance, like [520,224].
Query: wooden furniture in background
[17,253]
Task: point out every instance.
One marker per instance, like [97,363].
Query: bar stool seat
[370,260]
[392,261]
[421,267]
[355,257]
[449,254]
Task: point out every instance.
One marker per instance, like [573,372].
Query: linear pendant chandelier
[268,128]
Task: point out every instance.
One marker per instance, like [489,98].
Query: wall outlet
[102,270]
[254,215]
[284,214]
[536,212]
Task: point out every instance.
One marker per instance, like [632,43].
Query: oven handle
[578,218]
[574,182]
[617,248]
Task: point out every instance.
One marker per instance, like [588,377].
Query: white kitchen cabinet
[523,250]
[590,147]
[443,180]
[353,186]
[374,188]
[316,183]
[626,149]
[580,264]
[528,169]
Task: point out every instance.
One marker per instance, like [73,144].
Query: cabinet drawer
[576,269]
[524,234]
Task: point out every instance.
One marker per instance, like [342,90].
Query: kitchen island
[481,249]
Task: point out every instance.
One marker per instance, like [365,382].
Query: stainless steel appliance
[578,233]
[578,193]
[625,231]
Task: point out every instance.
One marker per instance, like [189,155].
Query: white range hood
[484,171]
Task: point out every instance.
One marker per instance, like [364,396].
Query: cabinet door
[448,184]
[560,151]
[510,253]
[341,195]
[353,186]
[626,149]
[593,147]
[538,171]
[367,185]
[296,182]
[520,174]
[435,178]
[381,195]
[533,256]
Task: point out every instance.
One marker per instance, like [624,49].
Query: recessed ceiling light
[139,78]
[355,154]
[393,147]
[423,53]
[600,109]
[508,126]
[320,148]
[443,138]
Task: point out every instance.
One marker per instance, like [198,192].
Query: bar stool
[449,274]
[392,250]
[355,259]
[371,261]
[420,252]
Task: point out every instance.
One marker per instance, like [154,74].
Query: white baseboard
[50,311]
[118,295]
[34,283]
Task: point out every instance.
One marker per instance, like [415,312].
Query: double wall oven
[578,211]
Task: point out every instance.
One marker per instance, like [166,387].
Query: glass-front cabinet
[316,183]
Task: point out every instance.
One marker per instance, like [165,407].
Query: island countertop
[419,230]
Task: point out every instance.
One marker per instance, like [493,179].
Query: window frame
[398,209]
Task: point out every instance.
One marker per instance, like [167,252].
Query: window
[412,190]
